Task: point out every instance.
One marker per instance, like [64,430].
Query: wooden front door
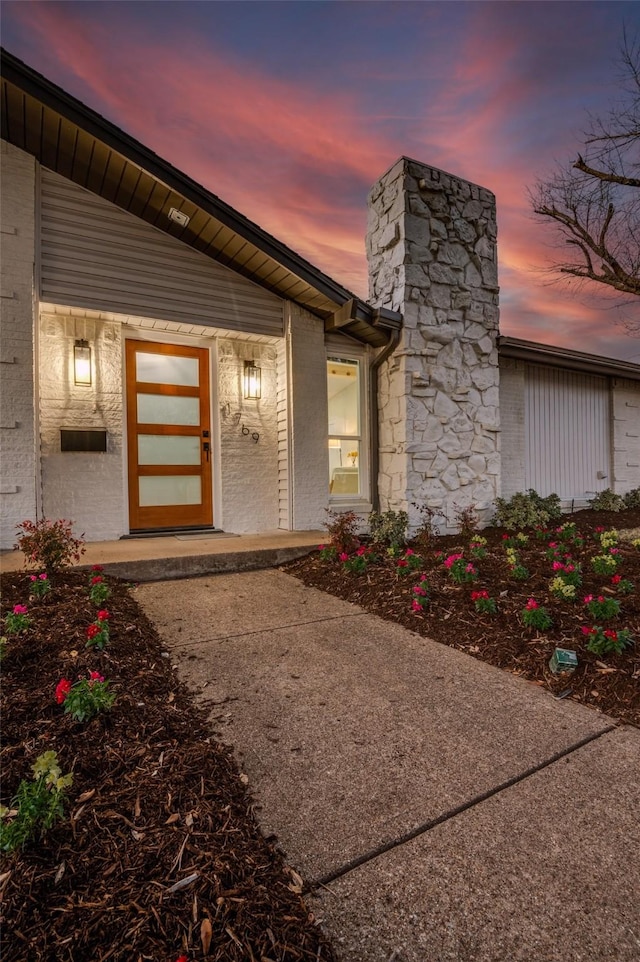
[169,436]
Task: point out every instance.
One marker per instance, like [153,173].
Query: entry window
[345,428]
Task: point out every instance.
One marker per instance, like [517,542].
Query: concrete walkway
[439,808]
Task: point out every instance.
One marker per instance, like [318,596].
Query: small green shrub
[607,500]
[632,498]
[37,805]
[527,510]
[49,544]
[342,528]
[389,529]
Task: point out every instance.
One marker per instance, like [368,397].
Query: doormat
[203,536]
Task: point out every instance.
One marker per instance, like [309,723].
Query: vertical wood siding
[567,432]
[282,417]
[97,256]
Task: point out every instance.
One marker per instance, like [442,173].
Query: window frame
[354,356]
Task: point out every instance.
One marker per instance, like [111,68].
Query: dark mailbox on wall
[83,440]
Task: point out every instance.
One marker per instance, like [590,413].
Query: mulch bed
[155,800]
[609,683]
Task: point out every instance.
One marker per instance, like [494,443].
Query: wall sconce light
[82,363]
[252,381]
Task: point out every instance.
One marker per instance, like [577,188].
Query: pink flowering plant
[460,570]
[98,632]
[568,571]
[409,562]
[358,562]
[17,620]
[535,616]
[99,590]
[601,608]
[86,698]
[603,641]
[40,585]
[420,594]
[484,603]
[622,585]
[327,552]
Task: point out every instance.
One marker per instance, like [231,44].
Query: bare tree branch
[603,175]
[594,202]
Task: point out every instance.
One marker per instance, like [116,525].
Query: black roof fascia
[36,85]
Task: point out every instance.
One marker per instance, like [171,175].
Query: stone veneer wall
[431,246]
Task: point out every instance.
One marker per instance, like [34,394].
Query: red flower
[62,690]
[96,580]
[403,564]
[182,958]
[102,615]
[343,556]
[589,631]
[532,604]
[616,579]
[92,631]
[611,634]
[97,568]
[475,595]
[95,676]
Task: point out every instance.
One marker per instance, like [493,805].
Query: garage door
[567,433]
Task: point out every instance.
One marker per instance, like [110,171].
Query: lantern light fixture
[252,381]
[82,363]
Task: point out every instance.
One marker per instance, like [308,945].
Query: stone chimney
[431,248]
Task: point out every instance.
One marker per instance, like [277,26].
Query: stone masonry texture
[431,247]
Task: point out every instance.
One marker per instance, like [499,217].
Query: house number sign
[237,417]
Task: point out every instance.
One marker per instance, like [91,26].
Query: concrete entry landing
[441,809]
[187,555]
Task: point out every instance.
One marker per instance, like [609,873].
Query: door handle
[205,448]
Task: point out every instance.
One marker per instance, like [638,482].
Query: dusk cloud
[290,111]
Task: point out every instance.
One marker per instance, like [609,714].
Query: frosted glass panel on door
[170,490]
[168,449]
[166,369]
[162,409]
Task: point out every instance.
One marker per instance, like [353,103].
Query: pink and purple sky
[290,111]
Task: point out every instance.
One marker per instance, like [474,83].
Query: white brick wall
[86,488]
[626,435]
[512,426]
[18,480]
[309,452]
[248,468]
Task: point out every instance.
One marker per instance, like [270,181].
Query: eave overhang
[536,353]
[69,138]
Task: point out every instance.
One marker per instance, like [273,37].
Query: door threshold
[135,534]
